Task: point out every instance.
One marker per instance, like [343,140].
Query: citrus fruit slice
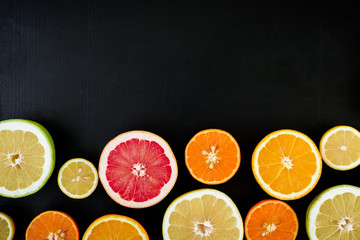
[271,219]
[27,157]
[7,227]
[340,148]
[115,226]
[212,156]
[286,164]
[78,178]
[137,169]
[52,225]
[335,214]
[203,214]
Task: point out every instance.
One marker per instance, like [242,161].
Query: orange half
[212,156]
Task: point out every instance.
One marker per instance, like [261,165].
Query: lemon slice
[334,214]
[7,227]
[78,178]
[27,157]
[340,148]
[203,214]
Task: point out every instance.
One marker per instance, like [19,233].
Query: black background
[90,70]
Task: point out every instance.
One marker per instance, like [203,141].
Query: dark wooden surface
[90,70]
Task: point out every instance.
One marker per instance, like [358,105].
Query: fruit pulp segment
[343,148]
[203,218]
[21,159]
[78,178]
[287,164]
[113,229]
[4,229]
[138,169]
[339,217]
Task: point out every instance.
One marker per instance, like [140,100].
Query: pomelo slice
[137,169]
[27,157]
[205,214]
[335,214]
[7,227]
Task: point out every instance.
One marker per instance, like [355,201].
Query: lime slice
[203,214]
[27,157]
[335,214]
[7,227]
[340,148]
[78,178]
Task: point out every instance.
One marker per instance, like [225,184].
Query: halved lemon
[7,227]
[27,157]
[78,178]
[335,214]
[203,214]
[340,148]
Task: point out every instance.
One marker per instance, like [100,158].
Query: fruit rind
[324,139]
[11,224]
[46,140]
[198,194]
[63,189]
[265,186]
[316,203]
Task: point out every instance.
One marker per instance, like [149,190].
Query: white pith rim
[142,135]
[10,224]
[324,140]
[314,207]
[198,194]
[94,170]
[49,156]
[266,187]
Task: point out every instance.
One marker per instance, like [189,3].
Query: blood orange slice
[137,169]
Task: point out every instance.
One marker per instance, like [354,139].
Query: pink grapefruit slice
[137,169]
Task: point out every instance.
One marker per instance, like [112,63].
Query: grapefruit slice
[7,227]
[27,157]
[137,169]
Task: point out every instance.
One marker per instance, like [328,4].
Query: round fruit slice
[78,178]
[27,157]
[271,219]
[115,226]
[212,156]
[340,148]
[334,214]
[286,164]
[7,227]
[205,214]
[137,169]
[52,225]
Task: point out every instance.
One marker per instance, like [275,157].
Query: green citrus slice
[27,157]
[78,178]
[335,214]
[7,227]
[203,214]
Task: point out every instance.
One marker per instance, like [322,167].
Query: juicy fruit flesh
[339,218]
[287,164]
[4,229]
[203,218]
[114,230]
[21,159]
[343,148]
[138,169]
[78,178]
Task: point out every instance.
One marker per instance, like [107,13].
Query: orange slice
[115,226]
[271,219]
[52,225]
[212,156]
[286,164]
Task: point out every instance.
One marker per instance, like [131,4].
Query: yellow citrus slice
[78,178]
[27,157]
[340,148]
[115,226]
[335,214]
[205,214]
[7,227]
[286,164]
